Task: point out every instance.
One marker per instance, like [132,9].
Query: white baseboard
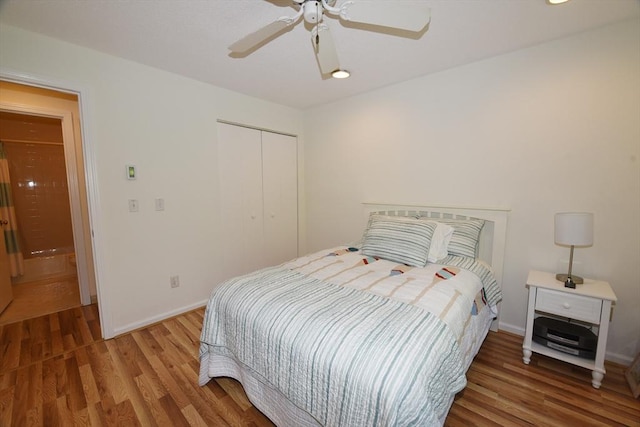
[511,328]
[620,359]
[155,319]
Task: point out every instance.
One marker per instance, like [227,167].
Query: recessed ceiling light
[340,74]
[557,1]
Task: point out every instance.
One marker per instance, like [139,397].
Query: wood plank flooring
[503,391]
[57,371]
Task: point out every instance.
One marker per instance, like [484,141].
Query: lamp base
[569,281]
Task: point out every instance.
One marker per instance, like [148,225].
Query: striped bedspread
[347,355]
[448,290]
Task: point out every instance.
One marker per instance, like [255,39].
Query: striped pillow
[399,239]
[466,236]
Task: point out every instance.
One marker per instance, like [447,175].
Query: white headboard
[492,237]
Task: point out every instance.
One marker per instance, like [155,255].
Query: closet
[258,182]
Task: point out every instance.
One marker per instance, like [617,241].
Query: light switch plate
[133,205]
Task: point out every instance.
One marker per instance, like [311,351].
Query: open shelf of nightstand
[565,357]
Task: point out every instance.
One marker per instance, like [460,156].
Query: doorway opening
[41,135]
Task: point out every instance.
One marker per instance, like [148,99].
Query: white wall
[555,127]
[166,126]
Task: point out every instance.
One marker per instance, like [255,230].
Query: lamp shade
[574,229]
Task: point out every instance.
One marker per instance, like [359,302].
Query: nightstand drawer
[572,306]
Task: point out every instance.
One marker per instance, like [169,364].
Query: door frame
[70,157]
[83,94]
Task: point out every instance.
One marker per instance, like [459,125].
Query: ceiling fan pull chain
[317,24]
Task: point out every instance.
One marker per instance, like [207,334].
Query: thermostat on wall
[131,172]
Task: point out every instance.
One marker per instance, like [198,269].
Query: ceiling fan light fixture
[413,18]
[340,74]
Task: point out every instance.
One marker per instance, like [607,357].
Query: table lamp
[573,229]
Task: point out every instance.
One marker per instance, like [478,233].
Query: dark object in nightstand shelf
[566,337]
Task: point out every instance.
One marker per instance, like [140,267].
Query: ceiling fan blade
[325,49]
[264,33]
[410,16]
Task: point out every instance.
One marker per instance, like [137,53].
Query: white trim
[159,318]
[436,207]
[513,329]
[227,122]
[83,94]
[618,358]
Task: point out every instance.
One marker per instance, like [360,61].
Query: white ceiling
[190,37]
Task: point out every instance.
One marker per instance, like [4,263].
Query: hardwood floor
[57,371]
[502,390]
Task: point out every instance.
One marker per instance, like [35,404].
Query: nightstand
[590,303]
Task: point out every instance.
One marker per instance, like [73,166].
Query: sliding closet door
[240,166]
[280,192]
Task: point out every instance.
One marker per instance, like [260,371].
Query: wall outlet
[175,281]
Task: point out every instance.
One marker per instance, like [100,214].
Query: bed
[375,333]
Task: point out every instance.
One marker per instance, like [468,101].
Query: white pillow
[440,242]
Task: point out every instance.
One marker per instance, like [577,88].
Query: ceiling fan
[410,16]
